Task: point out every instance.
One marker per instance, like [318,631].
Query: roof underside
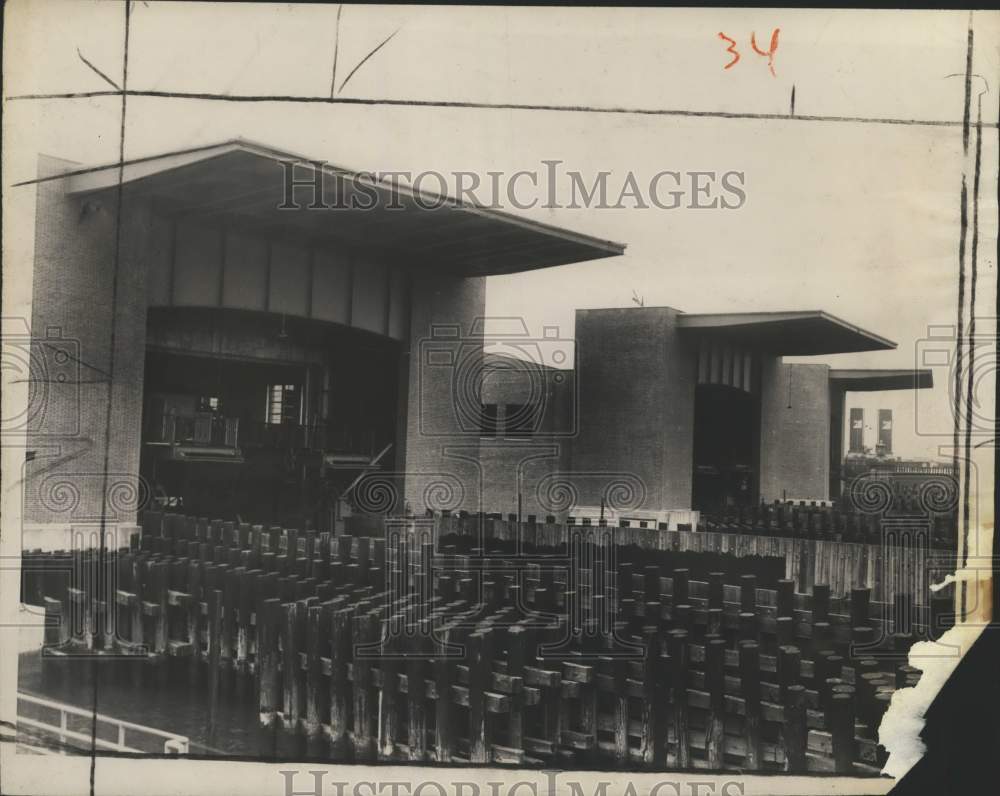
[860,380]
[786,333]
[243,182]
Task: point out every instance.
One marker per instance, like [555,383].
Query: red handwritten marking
[731,50]
[769,54]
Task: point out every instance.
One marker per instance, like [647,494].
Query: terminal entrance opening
[726,427]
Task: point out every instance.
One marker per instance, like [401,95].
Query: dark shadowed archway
[726,431]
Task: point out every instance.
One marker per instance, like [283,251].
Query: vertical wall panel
[197,265]
[289,279]
[331,289]
[727,366]
[399,305]
[371,295]
[245,279]
[714,364]
[161,253]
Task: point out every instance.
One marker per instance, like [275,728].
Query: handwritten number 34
[769,53]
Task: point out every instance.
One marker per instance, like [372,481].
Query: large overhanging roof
[244,182]
[876,380]
[786,333]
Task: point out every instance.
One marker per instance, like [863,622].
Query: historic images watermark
[320,782]
[316,185]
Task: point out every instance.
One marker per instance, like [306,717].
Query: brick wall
[74,313]
[795,431]
[442,438]
[636,381]
[527,464]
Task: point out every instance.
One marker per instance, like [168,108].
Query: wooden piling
[750,686]
[654,714]
[291,667]
[480,646]
[620,717]
[341,655]
[785,597]
[268,660]
[392,631]
[820,603]
[367,629]
[859,607]
[416,693]
[842,732]
[680,587]
[715,683]
[678,649]
[444,738]
[794,729]
[214,657]
[318,621]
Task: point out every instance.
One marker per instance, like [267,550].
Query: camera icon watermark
[965,364]
[50,365]
[499,381]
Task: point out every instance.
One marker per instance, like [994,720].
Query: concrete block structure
[240,332]
[679,412]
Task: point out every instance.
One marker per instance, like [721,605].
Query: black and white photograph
[441,400]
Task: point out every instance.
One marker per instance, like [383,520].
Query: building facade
[669,412]
[241,333]
[237,331]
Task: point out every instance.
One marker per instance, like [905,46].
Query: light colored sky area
[860,220]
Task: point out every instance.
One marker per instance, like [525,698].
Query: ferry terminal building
[287,365]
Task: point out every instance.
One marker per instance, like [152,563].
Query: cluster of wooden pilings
[813,521]
[399,648]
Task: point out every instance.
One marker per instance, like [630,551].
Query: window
[208,403]
[283,404]
[520,420]
[489,425]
